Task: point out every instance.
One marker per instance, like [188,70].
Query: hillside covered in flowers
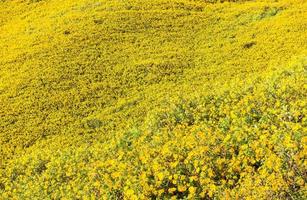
[153,99]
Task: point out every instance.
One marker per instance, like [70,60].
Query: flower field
[160,99]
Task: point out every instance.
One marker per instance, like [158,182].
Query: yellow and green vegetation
[153,99]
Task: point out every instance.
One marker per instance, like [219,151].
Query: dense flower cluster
[247,144]
[143,99]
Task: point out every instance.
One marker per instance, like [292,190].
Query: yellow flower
[129,192]
[192,190]
[115,174]
[172,190]
[160,176]
[182,188]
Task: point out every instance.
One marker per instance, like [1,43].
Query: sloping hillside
[153,99]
